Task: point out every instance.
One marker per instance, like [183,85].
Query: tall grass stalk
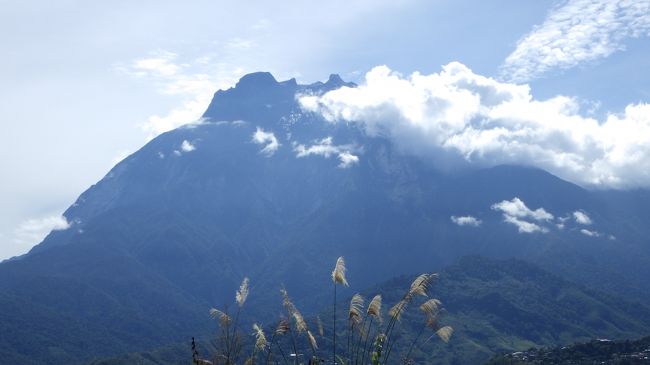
[338,277]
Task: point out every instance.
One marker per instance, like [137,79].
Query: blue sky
[86,83]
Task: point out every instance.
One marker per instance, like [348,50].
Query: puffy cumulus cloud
[466,220]
[326,148]
[347,159]
[33,231]
[186,146]
[515,212]
[456,115]
[524,226]
[581,218]
[267,139]
[517,208]
[577,31]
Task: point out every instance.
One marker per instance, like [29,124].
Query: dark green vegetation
[494,306]
[594,352]
[159,240]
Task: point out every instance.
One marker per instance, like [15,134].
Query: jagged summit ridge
[258,97]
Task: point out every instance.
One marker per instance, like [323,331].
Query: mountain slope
[261,189]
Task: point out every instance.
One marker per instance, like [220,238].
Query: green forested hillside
[495,306]
[599,351]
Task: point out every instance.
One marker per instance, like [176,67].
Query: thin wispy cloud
[33,231]
[590,233]
[575,32]
[193,81]
[457,116]
[161,65]
[326,148]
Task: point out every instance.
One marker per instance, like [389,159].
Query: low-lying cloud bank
[459,115]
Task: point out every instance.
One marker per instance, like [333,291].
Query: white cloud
[515,211]
[577,31]
[517,208]
[326,148]
[186,146]
[467,220]
[33,231]
[589,233]
[524,226]
[193,83]
[347,159]
[268,139]
[456,115]
[161,65]
[581,218]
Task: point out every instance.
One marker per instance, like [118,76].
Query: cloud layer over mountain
[458,115]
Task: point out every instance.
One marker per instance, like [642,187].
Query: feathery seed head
[312,340]
[242,293]
[286,302]
[374,308]
[260,338]
[282,327]
[224,319]
[338,275]
[421,284]
[445,333]
[396,311]
[431,307]
[356,308]
[301,325]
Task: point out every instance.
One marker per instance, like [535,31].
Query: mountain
[495,306]
[261,188]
